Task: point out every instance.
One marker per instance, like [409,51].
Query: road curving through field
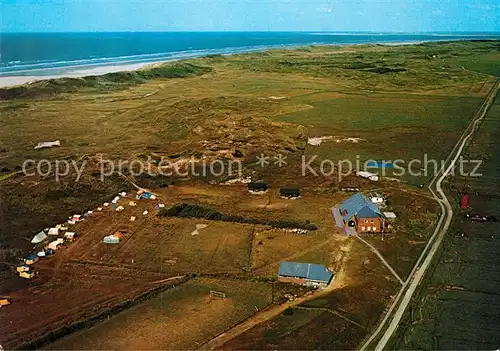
[405,295]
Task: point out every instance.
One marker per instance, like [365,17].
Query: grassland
[155,249]
[316,327]
[401,102]
[417,215]
[181,318]
[460,306]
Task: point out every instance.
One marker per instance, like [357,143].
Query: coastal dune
[75,56]
[10,81]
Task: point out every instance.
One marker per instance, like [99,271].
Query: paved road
[403,298]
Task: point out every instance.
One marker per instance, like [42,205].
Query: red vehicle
[464,201]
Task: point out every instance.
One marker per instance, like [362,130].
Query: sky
[250,15]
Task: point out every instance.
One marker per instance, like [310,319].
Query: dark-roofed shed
[290,192]
[257,186]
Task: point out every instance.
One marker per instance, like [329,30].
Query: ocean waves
[49,66]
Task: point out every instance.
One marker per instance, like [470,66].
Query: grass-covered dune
[407,67]
[109,81]
[424,65]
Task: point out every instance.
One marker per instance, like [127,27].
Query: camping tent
[111,239]
[145,195]
[76,218]
[22,268]
[70,236]
[118,234]
[54,231]
[53,245]
[39,237]
[31,259]
[27,275]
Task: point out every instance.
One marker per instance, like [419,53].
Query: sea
[57,54]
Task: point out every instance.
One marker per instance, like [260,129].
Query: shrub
[384,70]
[198,211]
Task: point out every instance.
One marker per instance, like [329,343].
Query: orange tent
[118,234]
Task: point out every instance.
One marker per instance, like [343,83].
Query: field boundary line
[334,312]
[85,323]
[116,266]
[376,252]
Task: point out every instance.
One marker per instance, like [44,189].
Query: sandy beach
[76,71]
[10,81]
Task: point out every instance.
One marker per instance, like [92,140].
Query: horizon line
[263,31]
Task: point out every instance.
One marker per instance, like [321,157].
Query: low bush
[197,211]
[384,70]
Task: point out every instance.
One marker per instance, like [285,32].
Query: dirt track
[266,315]
[274,311]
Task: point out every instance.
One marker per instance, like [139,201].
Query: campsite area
[184,259]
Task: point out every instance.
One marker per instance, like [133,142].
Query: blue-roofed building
[361,215]
[308,274]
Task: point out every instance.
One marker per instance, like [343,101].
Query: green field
[459,306]
[391,126]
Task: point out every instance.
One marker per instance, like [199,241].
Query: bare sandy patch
[316,141]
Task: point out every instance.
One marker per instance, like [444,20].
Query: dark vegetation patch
[151,182]
[238,154]
[216,58]
[384,70]
[198,211]
[359,65]
[70,190]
